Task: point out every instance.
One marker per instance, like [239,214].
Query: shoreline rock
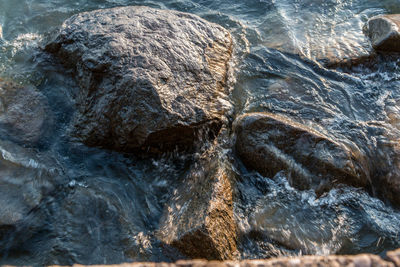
[149,78]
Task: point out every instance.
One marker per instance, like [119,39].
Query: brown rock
[270,143]
[384,32]
[199,218]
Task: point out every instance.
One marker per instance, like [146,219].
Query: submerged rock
[24,182]
[148,77]
[199,218]
[24,112]
[384,32]
[271,143]
[386,168]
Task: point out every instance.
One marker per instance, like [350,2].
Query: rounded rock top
[148,77]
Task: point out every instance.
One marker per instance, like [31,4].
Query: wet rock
[271,143]
[199,218]
[384,32]
[148,77]
[24,182]
[24,113]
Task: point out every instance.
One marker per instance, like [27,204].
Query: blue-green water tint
[104,207]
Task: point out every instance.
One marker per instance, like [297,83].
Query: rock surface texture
[148,77]
[384,32]
[24,112]
[199,218]
[271,143]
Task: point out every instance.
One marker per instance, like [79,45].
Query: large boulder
[198,220]
[24,112]
[148,77]
[384,32]
[271,143]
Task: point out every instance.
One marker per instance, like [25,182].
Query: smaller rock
[24,112]
[271,143]
[199,218]
[384,32]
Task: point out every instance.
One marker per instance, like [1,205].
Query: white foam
[24,41]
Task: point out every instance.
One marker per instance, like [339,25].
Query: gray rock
[24,112]
[198,220]
[384,32]
[270,143]
[148,77]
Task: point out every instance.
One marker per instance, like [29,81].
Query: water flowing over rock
[384,32]
[270,143]
[24,182]
[24,113]
[148,77]
[329,33]
[199,218]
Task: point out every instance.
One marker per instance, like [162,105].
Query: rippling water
[87,205]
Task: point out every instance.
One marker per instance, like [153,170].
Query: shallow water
[88,205]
